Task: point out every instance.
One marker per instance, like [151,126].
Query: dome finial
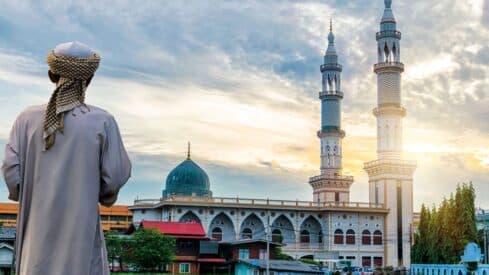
[188,150]
[388,4]
[330,24]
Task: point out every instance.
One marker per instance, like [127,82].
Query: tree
[115,249]
[444,232]
[151,249]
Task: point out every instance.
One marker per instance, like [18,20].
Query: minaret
[391,177]
[331,185]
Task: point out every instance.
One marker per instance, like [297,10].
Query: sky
[240,80]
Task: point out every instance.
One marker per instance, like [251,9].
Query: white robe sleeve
[115,166]
[11,163]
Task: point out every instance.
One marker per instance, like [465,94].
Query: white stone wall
[291,223]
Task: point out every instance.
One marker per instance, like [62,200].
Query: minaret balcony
[388,33]
[389,67]
[330,94]
[331,67]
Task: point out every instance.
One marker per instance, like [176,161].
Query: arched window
[338,237]
[328,154]
[366,237]
[277,236]
[305,236]
[386,52]
[330,85]
[217,234]
[247,234]
[350,236]
[394,52]
[377,237]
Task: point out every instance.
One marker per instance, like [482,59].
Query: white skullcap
[73,49]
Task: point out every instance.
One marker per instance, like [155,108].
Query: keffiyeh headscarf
[74,72]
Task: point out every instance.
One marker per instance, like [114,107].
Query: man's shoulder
[30,112]
[97,111]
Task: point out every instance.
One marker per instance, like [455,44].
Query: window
[246,234]
[217,234]
[263,254]
[366,261]
[350,257]
[366,238]
[337,196]
[338,236]
[305,238]
[244,254]
[350,236]
[320,237]
[377,237]
[277,236]
[378,261]
[184,268]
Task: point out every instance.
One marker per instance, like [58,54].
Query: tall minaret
[331,185]
[391,177]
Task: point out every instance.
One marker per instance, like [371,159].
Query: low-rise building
[115,218]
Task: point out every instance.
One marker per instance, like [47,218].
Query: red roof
[184,230]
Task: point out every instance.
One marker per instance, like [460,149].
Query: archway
[255,225]
[286,228]
[189,217]
[350,236]
[366,237]
[314,228]
[338,237]
[225,224]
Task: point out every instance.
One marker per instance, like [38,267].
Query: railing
[330,93]
[258,202]
[389,64]
[336,177]
[335,66]
[388,33]
[393,161]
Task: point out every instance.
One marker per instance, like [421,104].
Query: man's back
[60,188]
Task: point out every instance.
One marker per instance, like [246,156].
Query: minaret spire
[391,176]
[188,150]
[331,185]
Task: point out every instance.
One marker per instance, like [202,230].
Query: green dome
[187,179]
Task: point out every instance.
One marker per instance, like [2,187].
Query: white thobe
[59,190]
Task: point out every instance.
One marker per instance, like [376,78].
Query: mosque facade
[373,233]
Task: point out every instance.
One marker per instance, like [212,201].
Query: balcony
[247,202]
[389,66]
[327,94]
[331,67]
[388,33]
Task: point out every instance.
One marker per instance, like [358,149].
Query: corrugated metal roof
[177,229]
[282,265]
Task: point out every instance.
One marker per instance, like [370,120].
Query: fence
[440,269]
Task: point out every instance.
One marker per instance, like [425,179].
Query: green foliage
[444,232]
[147,249]
[279,255]
[151,249]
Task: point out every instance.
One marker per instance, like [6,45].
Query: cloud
[240,80]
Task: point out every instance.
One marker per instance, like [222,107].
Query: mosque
[377,232]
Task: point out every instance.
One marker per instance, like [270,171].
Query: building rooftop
[184,230]
[282,265]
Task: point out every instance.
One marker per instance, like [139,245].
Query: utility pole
[486,256]
[267,235]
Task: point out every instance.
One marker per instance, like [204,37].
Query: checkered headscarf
[70,91]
